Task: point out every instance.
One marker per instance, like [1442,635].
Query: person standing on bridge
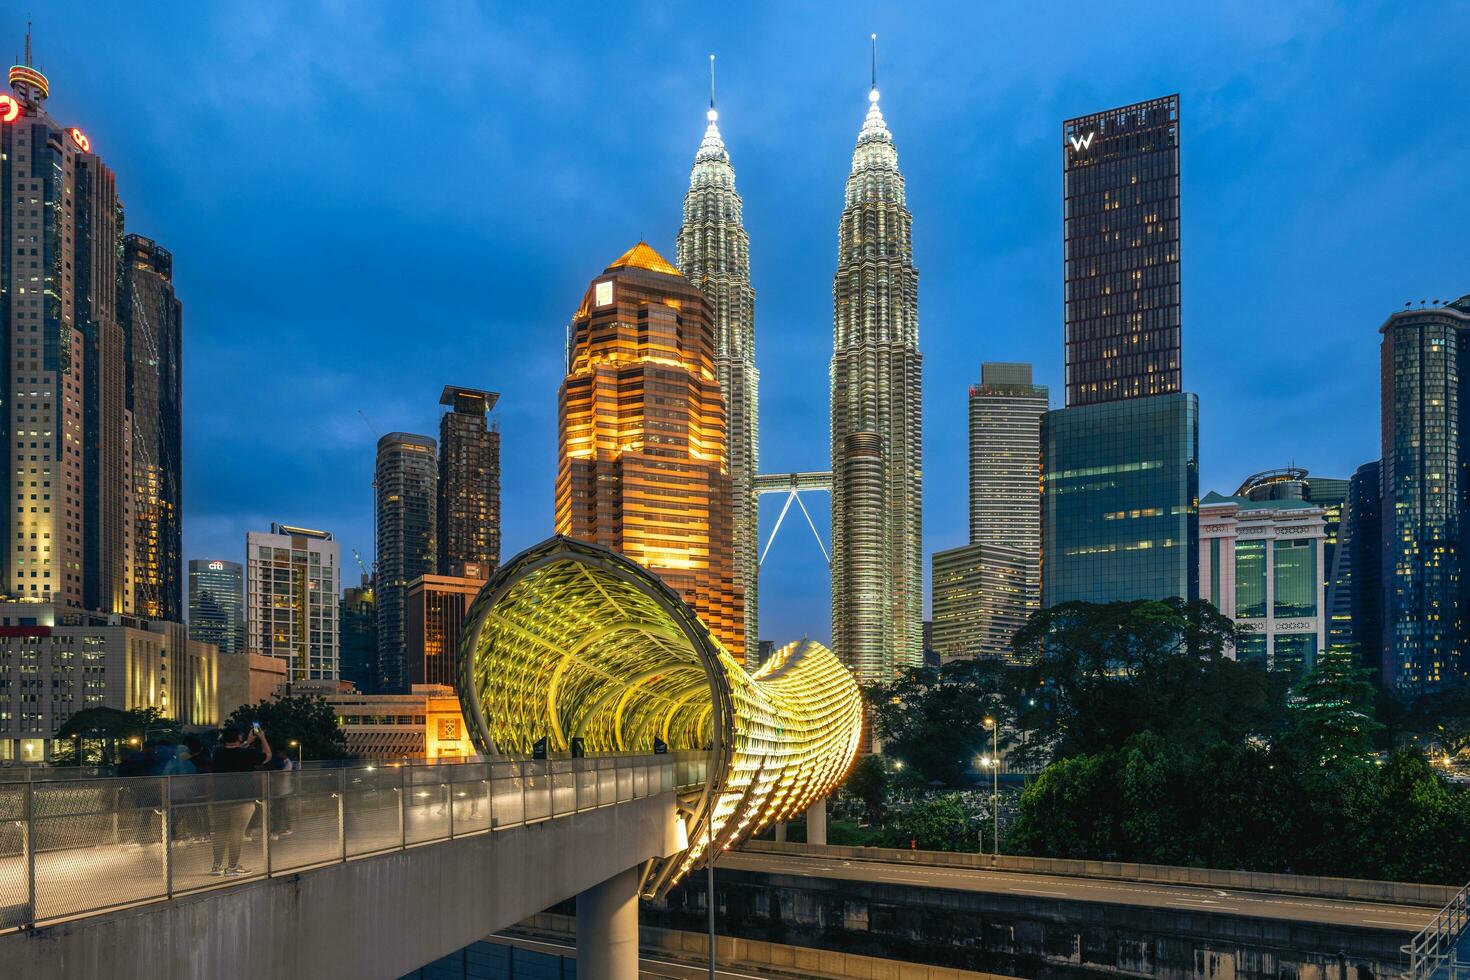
[234,764]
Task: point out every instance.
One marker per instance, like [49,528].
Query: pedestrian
[234,795]
[198,754]
[282,794]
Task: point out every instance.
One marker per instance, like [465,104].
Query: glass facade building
[1360,564]
[357,629]
[291,584]
[1425,366]
[468,515]
[1121,243]
[1260,564]
[217,603]
[407,478]
[981,594]
[1120,492]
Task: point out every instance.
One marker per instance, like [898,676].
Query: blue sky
[366,201]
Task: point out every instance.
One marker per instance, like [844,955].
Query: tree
[1443,718]
[869,781]
[938,823]
[934,719]
[304,718]
[115,729]
[1333,709]
[1109,671]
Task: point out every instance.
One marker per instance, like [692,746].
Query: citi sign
[1080,143]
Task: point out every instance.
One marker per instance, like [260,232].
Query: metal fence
[81,846]
[1440,949]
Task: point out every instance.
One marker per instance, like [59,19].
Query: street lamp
[297,746]
[992,726]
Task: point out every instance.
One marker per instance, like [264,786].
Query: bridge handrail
[84,846]
[1436,942]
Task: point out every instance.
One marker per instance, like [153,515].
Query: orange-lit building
[642,455]
[434,618]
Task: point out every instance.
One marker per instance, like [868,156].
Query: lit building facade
[152,320]
[642,436]
[1121,239]
[407,501]
[1005,466]
[217,603]
[714,255]
[877,437]
[981,594]
[1424,372]
[1120,491]
[291,587]
[1260,565]
[56,661]
[423,723]
[64,376]
[435,618]
[468,515]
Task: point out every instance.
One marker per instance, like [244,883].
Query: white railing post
[265,821]
[168,836]
[342,813]
[402,807]
[30,845]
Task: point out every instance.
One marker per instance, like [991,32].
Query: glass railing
[79,846]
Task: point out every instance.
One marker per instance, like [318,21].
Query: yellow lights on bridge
[572,640]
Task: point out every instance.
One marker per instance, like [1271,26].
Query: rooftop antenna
[873,92]
[28,40]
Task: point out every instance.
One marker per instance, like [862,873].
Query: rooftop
[642,256]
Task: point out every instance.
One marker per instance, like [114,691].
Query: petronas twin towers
[877,462]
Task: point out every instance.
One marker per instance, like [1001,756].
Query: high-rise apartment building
[1425,367]
[1121,236]
[357,620]
[291,587]
[217,603]
[642,440]
[1120,487]
[1363,542]
[1005,463]
[714,255]
[434,620]
[468,535]
[152,320]
[877,438]
[407,503]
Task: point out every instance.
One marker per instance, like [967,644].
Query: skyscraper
[1425,360]
[1005,464]
[877,452]
[217,603]
[152,319]
[714,255]
[468,537]
[358,629]
[407,491]
[1120,490]
[1363,540]
[642,436]
[291,599]
[1121,232]
[434,618]
[982,594]
[63,376]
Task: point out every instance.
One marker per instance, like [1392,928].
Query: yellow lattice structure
[571,640]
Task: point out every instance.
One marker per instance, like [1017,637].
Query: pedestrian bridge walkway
[374,868]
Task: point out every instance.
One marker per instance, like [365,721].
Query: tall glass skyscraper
[714,255]
[407,499]
[217,603]
[1120,463]
[468,537]
[1363,577]
[1425,367]
[291,602]
[877,438]
[153,329]
[1005,463]
[1121,235]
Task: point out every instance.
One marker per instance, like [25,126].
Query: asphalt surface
[649,968]
[1212,901]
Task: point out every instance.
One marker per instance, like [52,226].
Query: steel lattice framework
[571,639]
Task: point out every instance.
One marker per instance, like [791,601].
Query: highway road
[649,968]
[1209,900]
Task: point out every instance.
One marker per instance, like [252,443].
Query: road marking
[1037,891]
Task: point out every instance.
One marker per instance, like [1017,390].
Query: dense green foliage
[307,719]
[103,735]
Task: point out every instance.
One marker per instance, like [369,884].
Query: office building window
[1251,649]
[1295,653]
[1250,579]
[1296,578]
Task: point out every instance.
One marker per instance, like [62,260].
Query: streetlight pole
[296,744]
[994,727]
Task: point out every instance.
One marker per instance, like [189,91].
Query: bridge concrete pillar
[607,928]
[816,822]
[781,832]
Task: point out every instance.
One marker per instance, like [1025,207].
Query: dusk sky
[368,201]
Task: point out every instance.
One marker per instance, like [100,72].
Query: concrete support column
[816,822]
[781,832]
[607,928]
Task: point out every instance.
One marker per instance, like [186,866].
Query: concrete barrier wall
[742,953]
[1358,889]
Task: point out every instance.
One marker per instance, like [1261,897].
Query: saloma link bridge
[664,752]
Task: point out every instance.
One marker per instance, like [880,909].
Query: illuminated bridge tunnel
[573,640]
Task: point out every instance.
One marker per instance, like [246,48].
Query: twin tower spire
[876,434]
